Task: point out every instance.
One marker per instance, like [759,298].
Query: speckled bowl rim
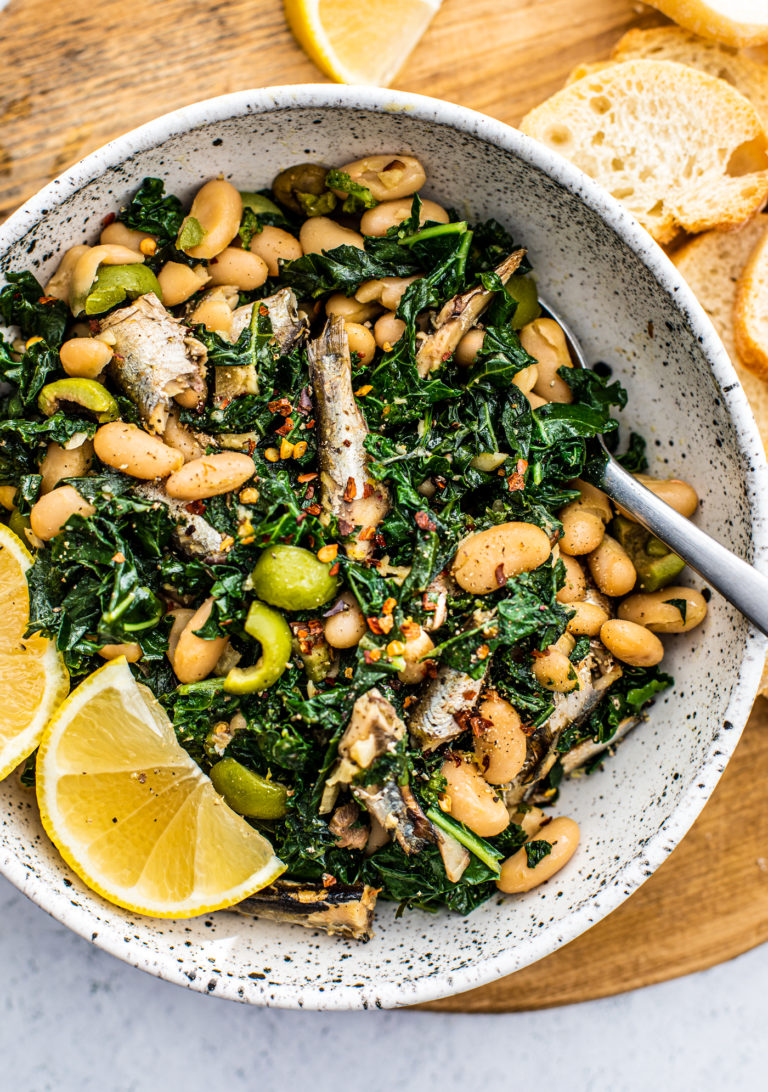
[639,868]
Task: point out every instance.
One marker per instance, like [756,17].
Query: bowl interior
[633,812]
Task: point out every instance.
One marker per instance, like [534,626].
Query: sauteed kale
[404,609]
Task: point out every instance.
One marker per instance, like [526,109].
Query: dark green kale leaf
[339,270]
[152,210]
[634,458]
[23,303]
[536,851]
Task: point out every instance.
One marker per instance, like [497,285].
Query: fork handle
[736,580]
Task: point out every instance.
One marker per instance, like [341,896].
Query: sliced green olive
[247,792]
[305,179]
[293,578]
[116,283]
[260,204]
[523,290]
[18,524]
[89,395]
[655,564]
[273,633]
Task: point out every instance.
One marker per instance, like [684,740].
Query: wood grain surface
[78,73]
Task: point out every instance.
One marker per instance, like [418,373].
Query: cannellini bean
[530,820]
[182,438]
[210,475]
[319,233]
[132,450]
[658,612]
[60,284]
[584,520]
[388,177]
[516,877]
[678,494]
[416,667]
[388,291]
[178,282]
[588,619]
[346,628]
[554,671]
[469,346]
[242,268]
[87,267]
[486,560]
[214,311]
[61,462]
[500,742]
[611,567]
[545,341]
[535,400]
[132,652]
[527,378]
[389,214]
[189,399]
[575,587]
[120,234]
[631,643]
[179,618]
[470,799]
[218,208]
[51,512]
[85,357]
[387,330]
[273,245]
[8,497]
[194,658]
[350,309]
[361,341]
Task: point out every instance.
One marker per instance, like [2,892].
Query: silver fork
[735,579]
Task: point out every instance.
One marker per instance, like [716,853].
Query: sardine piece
[342,910]
[589,748]
[597,672]
[458,316]
[154,358]
[437,718]
[346,490]
[435,600]
[397,809]
[287,330]
[193,534]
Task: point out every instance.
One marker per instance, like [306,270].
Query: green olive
[523,290]
[292,578]
[304,178]
[89,395]
[273,633]
[18,524]
[259,204]
[115,283]
[247,792]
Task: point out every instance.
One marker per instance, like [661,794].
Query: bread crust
[701,18]
[751,312]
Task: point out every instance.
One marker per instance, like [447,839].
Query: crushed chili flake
[286,427]
[428,604]
[313,509]
[372,656]
[328,879]
[334,569]
[410,630]
[483,652]
[380,541]
[386,621]
[366,534]
[424,522]
[389,605]
[351,490]
[367,490]
[307,477]
[500,575]
[311,423]
[119,557]
[327,553]
[348,672]
[374,625]
[281,406]
[362,391]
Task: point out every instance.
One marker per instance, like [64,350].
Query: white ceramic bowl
[628,305]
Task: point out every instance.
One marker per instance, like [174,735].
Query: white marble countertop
[77,1020]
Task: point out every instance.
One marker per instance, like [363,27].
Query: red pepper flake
[307,477]
[483,652]
[501,576]
[389,605]
[374,625]
[285,428]
[367,490]
[428,604]
[281,406]
[51,299]
[380,541]
[409,700]
[351,491]
[328,879]
[410,630]
[263,309]
[334,569]
[118,558]
[372,656]
[424,522]
[311,423]
[314,509]
[386,622]
[224,403]
[366,534]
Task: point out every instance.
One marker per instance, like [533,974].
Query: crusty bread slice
[678,147]
[751,311]
[582,70]
[712,264]
[675,44]
[735,22]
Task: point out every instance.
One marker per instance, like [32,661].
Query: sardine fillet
[342,910]
[436,719]
[154,358]
[193,534]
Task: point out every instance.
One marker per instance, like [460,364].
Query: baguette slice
[751,311]
[582,70]
[680,149]
[712,265]
[735,22]
[675,44]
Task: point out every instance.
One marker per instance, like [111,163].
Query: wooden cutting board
[77,74]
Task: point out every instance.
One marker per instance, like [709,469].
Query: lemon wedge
[133,815]
[366,41]
[33,679]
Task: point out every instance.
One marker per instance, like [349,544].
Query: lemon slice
[133,815]
[366,41]
[33,679]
